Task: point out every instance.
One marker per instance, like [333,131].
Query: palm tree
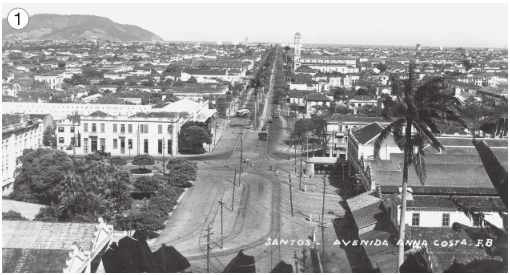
[75,118]
[415,112]
[286,49]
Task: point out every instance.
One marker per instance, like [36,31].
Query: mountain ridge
[76,27]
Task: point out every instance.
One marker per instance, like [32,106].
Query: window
[60,140]
[416,219]
[146,146]
[72,129]
[86,144]
[169,146]
[123,128]
[103,144]
[60,129]
[94,129]
[85,127]
[102,127]
[446,219]
[130,128]
[115,128]
[160,146]
[130,144]
[114,143]
[160,129]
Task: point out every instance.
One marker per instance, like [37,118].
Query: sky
[400,24]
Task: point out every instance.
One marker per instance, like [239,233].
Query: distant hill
[76,27]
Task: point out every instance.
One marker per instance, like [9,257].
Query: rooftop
[368,132]
[47,235]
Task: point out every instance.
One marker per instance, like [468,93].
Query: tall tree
[75,118]
[415,113]
[49,137]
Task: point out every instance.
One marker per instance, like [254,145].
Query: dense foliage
[50,137]
[73,190]
[12,215]
[180,171]
[143,160]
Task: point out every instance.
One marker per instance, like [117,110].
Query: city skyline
[336,24]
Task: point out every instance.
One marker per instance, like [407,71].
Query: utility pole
[208,235]
[215,129]
[234,188]
[322,219]
[301,168]
[256,107]
[291,205]
[221,234]
[163,149]
[241,159]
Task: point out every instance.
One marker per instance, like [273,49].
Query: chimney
[378,191]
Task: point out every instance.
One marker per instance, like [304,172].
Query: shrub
[143,160]
[117,161]
[147,184]
[12,215]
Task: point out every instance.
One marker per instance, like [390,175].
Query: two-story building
[52,80]
[150,133]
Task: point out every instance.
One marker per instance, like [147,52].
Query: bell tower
[297,50]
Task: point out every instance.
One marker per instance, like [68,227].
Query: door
[94,145]
[122,146]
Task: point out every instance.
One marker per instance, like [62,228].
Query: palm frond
[418,160]
[392,128]
[422,130]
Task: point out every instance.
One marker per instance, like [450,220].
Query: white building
[24,135]
[52,80]
[121,135]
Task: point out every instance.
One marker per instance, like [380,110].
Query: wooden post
[208,235]
[291,205]
[234,188]
[221,234]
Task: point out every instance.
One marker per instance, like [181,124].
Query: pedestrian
[270,167]
[277,172]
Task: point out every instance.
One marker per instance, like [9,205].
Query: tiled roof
[205,72]
[17,260]
[447,141]
[47,235]
[442,258]
[362,200]
[384,257]
[27,210]
[481,203]
[367,133]
[437,190]
[317,97]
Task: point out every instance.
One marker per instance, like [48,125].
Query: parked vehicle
[263,135]
[243,112]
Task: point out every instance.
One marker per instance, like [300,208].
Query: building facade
[15,138]
[121,135]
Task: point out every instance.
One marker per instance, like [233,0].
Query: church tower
[297,50]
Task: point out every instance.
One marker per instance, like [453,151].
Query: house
[316,99]
[54,81]
[498,95]
[337,129]
[11,89]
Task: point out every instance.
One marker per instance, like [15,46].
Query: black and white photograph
[254,137]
